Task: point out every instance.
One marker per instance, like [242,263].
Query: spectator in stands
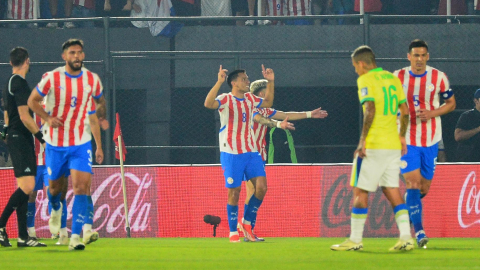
[20,10]
[459,7]
[215,8]
[297,8]
[467,133]
[55,12]
[83,9]
[332,7]
[369,6]
[251,11]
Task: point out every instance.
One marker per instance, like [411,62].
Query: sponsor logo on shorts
[403,164]
[230,180]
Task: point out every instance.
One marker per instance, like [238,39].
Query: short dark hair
[18,56]
[418,43]
[364,54]
[233,76]
[71,42]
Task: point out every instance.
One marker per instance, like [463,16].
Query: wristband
[279,124]
[39,136]
[309,114]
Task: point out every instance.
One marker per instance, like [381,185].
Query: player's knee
[261,189]
[80,188]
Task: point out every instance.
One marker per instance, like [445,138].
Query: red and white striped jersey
[236,117]
[20,9]
[423,92]
[39,150]
[274,8]
[90,4]
[296,7]
[260,131]
[70,98]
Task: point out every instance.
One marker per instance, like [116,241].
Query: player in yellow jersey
[377,158]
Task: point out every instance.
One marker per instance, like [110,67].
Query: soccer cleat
[257,239]
[90,237]
[54,222]
[247,232]
[55,236]
[69,25]
[347,245]
[4,238]
[235,238]
[75,244]
[422,239]
[249,22]
[264,22]
[52,25]
[30,242]
[403,245]
[62,240]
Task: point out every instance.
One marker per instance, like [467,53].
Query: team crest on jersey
[430,87]
[88,88]
[230,180]
[403,164]
[364,91]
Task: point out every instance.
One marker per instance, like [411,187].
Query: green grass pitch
[219,253]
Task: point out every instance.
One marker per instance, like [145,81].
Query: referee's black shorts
[22,151]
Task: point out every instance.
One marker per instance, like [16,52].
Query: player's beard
[73,67]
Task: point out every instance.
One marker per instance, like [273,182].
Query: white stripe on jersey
[260,131]
[236,133]
[296,7]
[423,92]
[20,9]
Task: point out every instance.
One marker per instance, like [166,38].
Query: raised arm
[272,123]
[269,92]
[210,102]
[292,116]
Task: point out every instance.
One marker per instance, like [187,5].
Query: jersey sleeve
[21,92]
[365,93]
[222,101]
[91,106]
[45,85]
[269,112]
[445,91]
[257,101]
[97,88]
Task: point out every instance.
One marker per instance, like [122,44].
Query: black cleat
[4,238]
[30,242]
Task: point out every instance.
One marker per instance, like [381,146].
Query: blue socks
[31,209]
[63,220]
[80,203]
[54,200]
[414,205]
[89,211]
[232,214]
[252,209]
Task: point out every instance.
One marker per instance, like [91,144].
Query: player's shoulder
[398,71]
[58,70]
[17,82]
[88,72]
[432,69]
[222,96]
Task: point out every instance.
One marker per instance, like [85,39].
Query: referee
[18,129]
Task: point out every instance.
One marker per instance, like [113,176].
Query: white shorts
[378,168]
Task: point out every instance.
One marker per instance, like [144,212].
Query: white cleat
[54,222]
[90,237]
[75,244]
[62,240]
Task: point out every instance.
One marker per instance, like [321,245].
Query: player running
[423,87]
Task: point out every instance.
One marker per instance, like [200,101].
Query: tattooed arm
[272,123]
[368,116]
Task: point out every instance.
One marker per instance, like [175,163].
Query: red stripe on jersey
[66,109]
[413,113]
[14,6]
[238,136]
[274,7]
[231,115]
[294,6]
[47,86]
[27,9]
[73,120]
[423,86]
[433,120]
[248,137]
[302,3]
[56,81]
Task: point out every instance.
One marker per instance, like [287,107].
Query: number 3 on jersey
[73,102]
[390,100]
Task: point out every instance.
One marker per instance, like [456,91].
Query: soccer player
[377,157]
[68,92]
[238,154]
[262,120]
[423,86]
[20,127]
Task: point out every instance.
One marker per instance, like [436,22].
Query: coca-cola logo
[107,196]
[338,201]
[468,202]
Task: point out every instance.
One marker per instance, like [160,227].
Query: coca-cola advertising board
[302,201]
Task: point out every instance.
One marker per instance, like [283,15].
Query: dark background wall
[160,97]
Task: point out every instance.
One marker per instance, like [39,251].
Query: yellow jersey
[386,91]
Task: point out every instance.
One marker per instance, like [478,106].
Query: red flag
[118,132]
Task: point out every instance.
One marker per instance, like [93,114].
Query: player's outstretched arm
[210,102]
[269,92]
[272,123]
[95,126]
[292,116]
[34,103]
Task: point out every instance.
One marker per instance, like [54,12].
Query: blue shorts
[41,179]
[423,158]
[245,176]
[236,167]
[60,160]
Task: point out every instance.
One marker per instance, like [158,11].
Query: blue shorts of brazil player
[237,166]
[60,160]
[423,158]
